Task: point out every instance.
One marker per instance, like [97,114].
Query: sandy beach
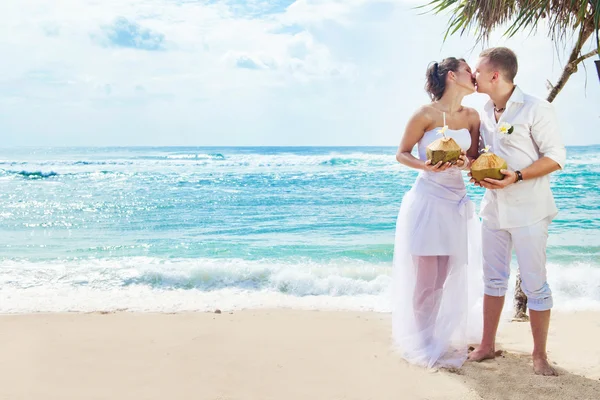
[272,354]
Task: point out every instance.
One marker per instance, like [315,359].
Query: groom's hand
[472,180]
[509,178]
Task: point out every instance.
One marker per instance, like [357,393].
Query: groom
[516,210]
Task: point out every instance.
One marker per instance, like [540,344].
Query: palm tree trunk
[574,60]
[520,302]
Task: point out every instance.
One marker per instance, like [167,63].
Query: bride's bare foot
[480,354]
[541,366]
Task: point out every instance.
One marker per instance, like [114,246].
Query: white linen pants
[529,243]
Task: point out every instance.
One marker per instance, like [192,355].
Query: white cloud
[309,72]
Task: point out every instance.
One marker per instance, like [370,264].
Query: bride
[437,253]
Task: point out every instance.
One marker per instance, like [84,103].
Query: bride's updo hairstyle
[436,76]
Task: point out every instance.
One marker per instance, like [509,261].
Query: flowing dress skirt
[437,288]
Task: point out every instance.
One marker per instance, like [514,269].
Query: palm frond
[563,17]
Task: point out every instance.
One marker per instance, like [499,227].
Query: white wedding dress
[437,287]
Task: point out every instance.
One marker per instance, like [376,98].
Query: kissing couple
[443,251]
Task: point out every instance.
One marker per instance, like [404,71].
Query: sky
[244,73]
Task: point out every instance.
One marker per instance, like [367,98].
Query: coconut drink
[488,165]
[444,149]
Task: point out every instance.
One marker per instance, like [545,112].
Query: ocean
[168,229]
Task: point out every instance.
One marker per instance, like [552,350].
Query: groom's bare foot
[481,353]
[541,366]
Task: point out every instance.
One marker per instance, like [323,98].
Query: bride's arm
[474,125]
[414,131]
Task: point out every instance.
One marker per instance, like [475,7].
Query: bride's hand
[463,162]
[439,167]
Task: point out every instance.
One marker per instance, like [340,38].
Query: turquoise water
[187,228]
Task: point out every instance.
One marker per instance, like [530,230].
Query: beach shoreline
[272,354]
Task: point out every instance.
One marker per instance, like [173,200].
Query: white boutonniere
[505,128]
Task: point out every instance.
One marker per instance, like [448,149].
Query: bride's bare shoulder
[425,113]
[471,112]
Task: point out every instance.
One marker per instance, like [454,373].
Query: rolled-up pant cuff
[494,292]
[543,304]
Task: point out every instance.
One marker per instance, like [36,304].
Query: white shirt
[535,135]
